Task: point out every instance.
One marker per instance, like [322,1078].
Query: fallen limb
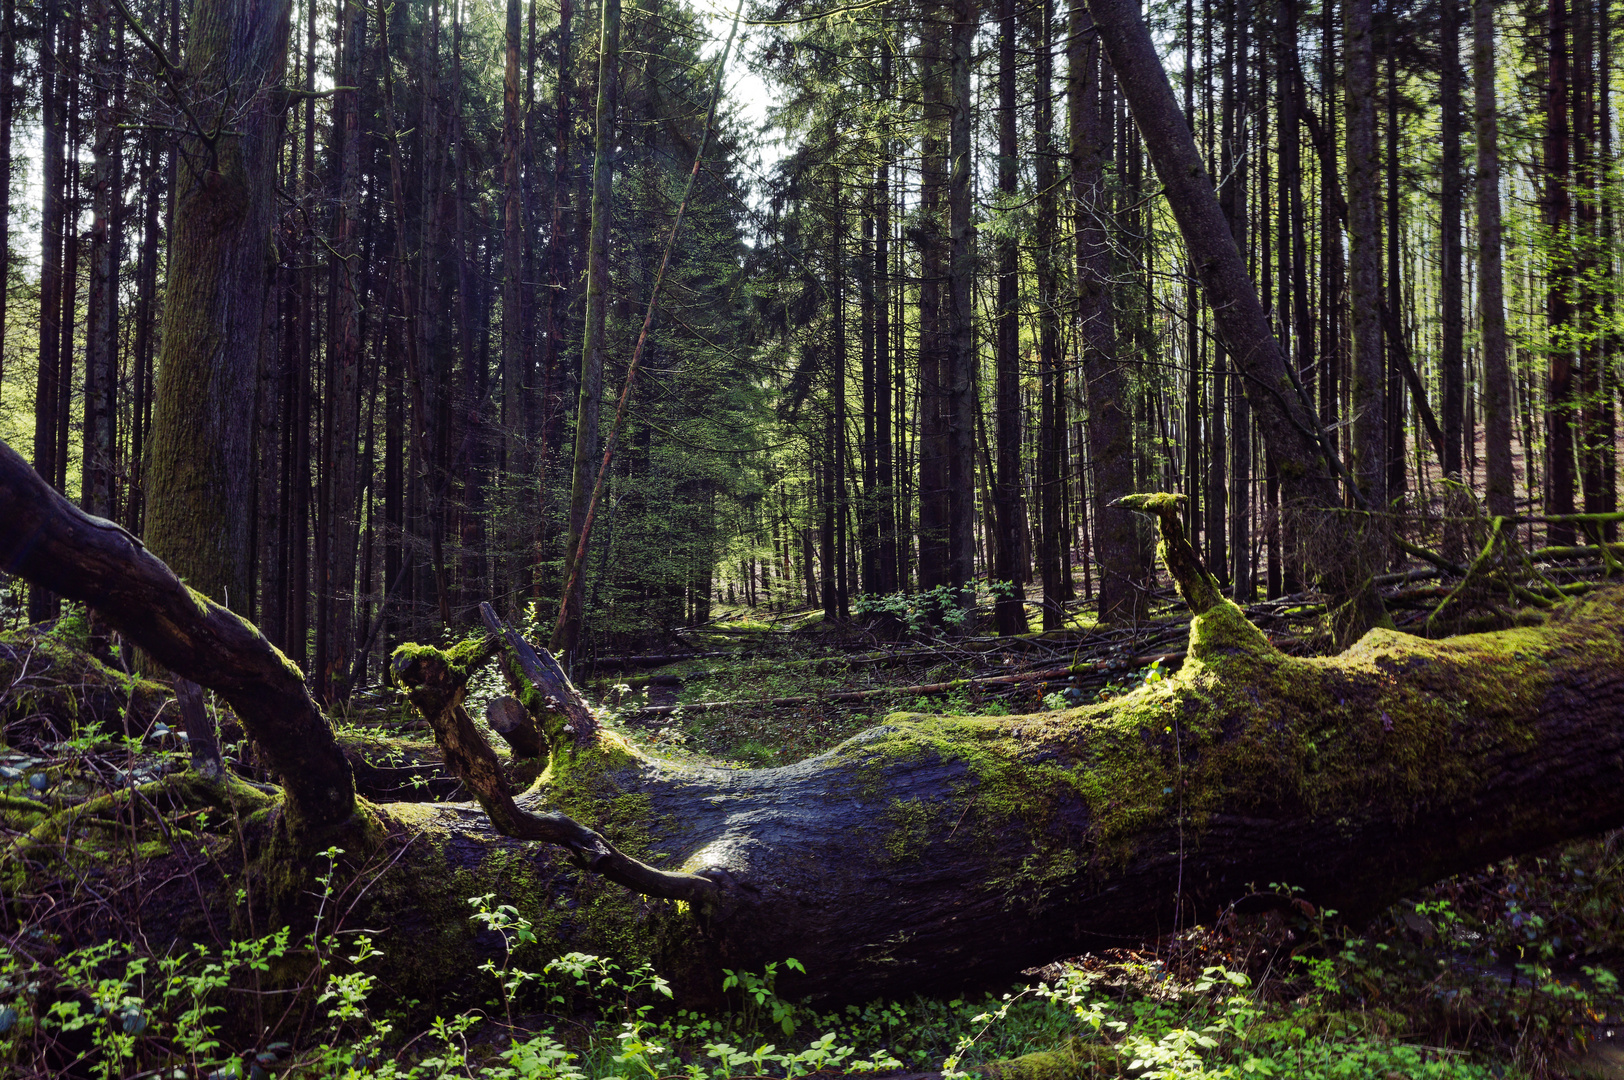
[436,683]
[51,542]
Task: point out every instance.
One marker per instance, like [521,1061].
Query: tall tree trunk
[1333,356]
[1051,386]
[1194,340]
[884,399]
[48,384]
[840,480]
[961,365]
[1293,248]
[145,341]
[1368,374]
[216,284]
[1392,293]
[1603,426]
[934,410]
[1110,432]
[515,348]
[1558,211]
[8,108]
[1010,603]
[1491,308]
[558,276]
[341,451]
[868,519]
[101,329]
[593,345]
[1451,185]
[1595,391]
[298,611]
[1240,418]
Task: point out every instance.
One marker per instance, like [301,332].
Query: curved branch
[53,543]
[436,683]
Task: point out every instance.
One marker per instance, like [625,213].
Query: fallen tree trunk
[939,852]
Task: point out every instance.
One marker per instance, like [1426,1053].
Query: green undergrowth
[1503,973]
[1292,997]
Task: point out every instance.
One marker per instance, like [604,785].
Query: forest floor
[1503,972]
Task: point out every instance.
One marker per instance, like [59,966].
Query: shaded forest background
[927,347]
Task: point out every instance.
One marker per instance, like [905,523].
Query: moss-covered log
[930,852]
[935,852]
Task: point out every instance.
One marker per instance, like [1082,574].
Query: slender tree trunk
[558,276]
[1333,355]
[515,465]
[884,399]
[840,457]
[597,301]
[1392,293]
[1604,425]
[344,392]
[1110,431]
[960,379]
[1240,417]
[1194,343]
[1595,393]
[101,329]
[1293,248]
[1369,385]
[868,521]
[8,108]
[145,342]
[298,617]
[1451,190]
[1559,411]
[934,410]
[1051,387]
[48,384]
[1010,604]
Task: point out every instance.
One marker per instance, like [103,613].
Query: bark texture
[200,477]
[1491,310]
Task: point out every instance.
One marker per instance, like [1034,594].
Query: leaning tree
[927,852]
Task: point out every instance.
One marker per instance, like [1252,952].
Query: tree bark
[1491,306]
[1557,215]
[101,330]
[1110,433]
[1364,274]
[1051,382]
[960,367]
[933,401]
[516,376]
[48,384]
[200,474]
[1451,185]
[1009,607]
